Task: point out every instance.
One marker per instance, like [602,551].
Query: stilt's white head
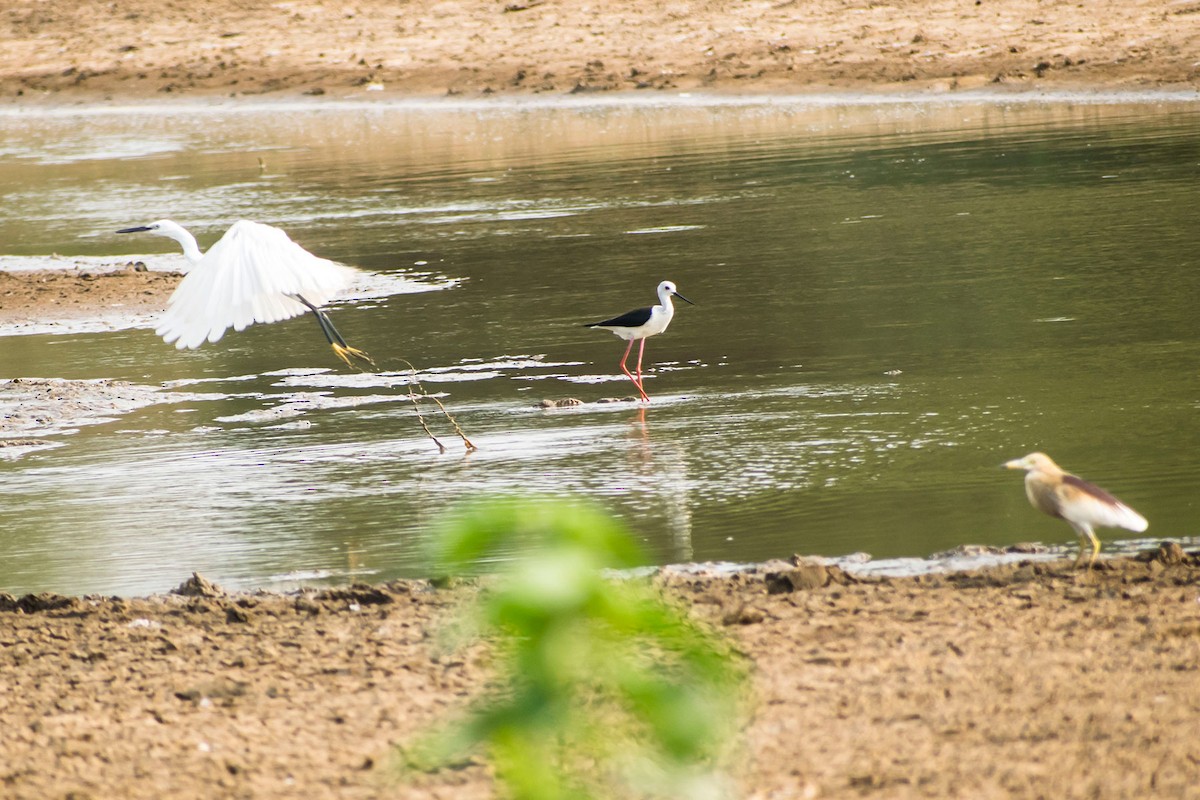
[666,290]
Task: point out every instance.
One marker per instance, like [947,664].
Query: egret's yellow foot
[347,352]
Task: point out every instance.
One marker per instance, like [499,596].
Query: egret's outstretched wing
[250,275]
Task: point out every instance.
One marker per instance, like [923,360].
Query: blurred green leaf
[605,684]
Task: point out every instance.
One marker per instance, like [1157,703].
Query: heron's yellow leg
[345,352]
[1095,549]
[1087,538]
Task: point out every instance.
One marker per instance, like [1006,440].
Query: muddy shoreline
[41,301]
[68,51]
[1025,680]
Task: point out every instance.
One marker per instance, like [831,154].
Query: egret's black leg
[327,329]
[340,348]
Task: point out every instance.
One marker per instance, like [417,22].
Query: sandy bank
[70,50]
[1027,680]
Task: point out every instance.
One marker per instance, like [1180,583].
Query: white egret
[254,273]
[641,323]
[1080,504]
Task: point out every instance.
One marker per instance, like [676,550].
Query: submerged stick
[335,338]
[420,418]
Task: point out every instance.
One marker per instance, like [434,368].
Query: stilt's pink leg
[641,386]
[625,369]
[636,381]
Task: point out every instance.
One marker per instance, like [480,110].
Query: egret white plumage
[641,323]
[254,273]
[1082,505]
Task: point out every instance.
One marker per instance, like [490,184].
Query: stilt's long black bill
[138,229]
[684,299]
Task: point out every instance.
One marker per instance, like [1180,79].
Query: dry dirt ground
[1023,681]
[34,296]
[69,50]
[1028,681]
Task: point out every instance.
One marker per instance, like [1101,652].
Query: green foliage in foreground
[605,689]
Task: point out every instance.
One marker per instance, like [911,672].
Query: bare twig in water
[422,393]
[470,445]
[412,396]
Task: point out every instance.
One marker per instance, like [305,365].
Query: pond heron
[1081,504]
[254,273]
[641,323]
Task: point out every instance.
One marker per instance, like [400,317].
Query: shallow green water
[891,300]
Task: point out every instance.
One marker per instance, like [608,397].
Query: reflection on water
[891,300]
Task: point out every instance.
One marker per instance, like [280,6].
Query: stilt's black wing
[630,319]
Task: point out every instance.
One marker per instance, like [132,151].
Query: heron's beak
[1016,463]
[138,229]
[684,299]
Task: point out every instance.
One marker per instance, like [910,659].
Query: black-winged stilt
[640,324]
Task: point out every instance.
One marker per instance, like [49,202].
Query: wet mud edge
[1021,680]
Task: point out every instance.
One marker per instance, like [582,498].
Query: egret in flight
[641,323]
[254,273]
[1081,504]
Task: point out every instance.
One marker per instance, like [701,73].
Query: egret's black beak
[684,299]
[138,229]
